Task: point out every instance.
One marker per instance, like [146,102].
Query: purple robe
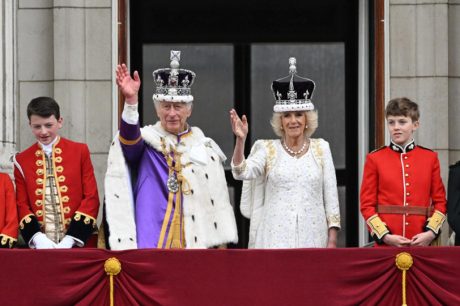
[151,193]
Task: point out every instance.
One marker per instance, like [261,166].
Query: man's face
[45,130]
[173,116]
[401,129]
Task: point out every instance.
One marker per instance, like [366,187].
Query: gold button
[68,220]
[59,169]
[39,192]
[38,153]
[407,223]
[39,181]
[65,199]
[39,213]
[407,166]
[61,178]
[38,202]
[63,188]
[408,194]
[407,174]
[405,157]
[40,171]
[407,184]
[58,150]
[66,209]
[39,162]
[58,159]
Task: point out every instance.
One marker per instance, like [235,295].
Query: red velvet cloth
[348,276]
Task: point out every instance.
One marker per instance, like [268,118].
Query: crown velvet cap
[293,93]
[173,84]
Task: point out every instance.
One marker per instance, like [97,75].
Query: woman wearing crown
[289,188]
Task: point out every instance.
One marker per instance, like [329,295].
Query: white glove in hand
[66,243]
[40,241]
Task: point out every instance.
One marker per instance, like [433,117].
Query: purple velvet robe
[150,190]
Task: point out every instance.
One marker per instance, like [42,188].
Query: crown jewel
[173,84]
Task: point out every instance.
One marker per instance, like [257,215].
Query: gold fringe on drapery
[112,266]
[404,261]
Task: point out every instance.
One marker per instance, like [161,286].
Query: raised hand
[128,86]
[240,127]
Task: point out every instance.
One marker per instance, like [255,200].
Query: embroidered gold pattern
[333,220]
[317,150]
[436,221]
[377,226]
[26,219]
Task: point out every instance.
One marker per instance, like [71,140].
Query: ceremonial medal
[173,185]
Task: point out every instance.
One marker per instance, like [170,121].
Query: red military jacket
[8,212]
[75,182]
[397,185]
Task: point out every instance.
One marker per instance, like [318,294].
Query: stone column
[7,90]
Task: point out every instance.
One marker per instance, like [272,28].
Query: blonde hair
[311,119]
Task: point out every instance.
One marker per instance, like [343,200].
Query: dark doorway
[237,48]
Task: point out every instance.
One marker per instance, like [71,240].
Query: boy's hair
[43,107]
[402,107]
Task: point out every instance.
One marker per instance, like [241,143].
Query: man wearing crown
[179,198]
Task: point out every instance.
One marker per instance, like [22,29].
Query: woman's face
[293,124]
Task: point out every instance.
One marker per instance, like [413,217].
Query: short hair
[44,107]
[311,121]
[402,107]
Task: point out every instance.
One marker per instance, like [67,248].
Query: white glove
[66,243]
[40,241]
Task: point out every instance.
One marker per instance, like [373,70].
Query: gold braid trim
[317,150]
[378,228]
[7,240]
[26,219]
[271,154]
[129,142]
[436,221]
[87,219]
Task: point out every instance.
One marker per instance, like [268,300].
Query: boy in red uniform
[403,199]
[56,189]
[8,213]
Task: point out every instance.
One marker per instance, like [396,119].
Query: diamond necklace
[292,152]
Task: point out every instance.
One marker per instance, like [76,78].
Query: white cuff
[130,114]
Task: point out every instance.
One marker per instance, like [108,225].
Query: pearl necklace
[292,152]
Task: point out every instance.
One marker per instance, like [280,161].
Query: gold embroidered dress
[298,200]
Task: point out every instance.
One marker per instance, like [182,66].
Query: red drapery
[348,276]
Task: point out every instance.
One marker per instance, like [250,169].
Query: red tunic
[405,179]
[8,212]
[75,181]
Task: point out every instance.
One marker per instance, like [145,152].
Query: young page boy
[8,213]
[56,189]
[402,197]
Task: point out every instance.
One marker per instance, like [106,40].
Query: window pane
[324,63]
[212,90]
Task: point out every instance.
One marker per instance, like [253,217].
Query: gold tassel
[404,261]
[112,266]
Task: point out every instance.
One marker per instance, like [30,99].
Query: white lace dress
[300,201]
